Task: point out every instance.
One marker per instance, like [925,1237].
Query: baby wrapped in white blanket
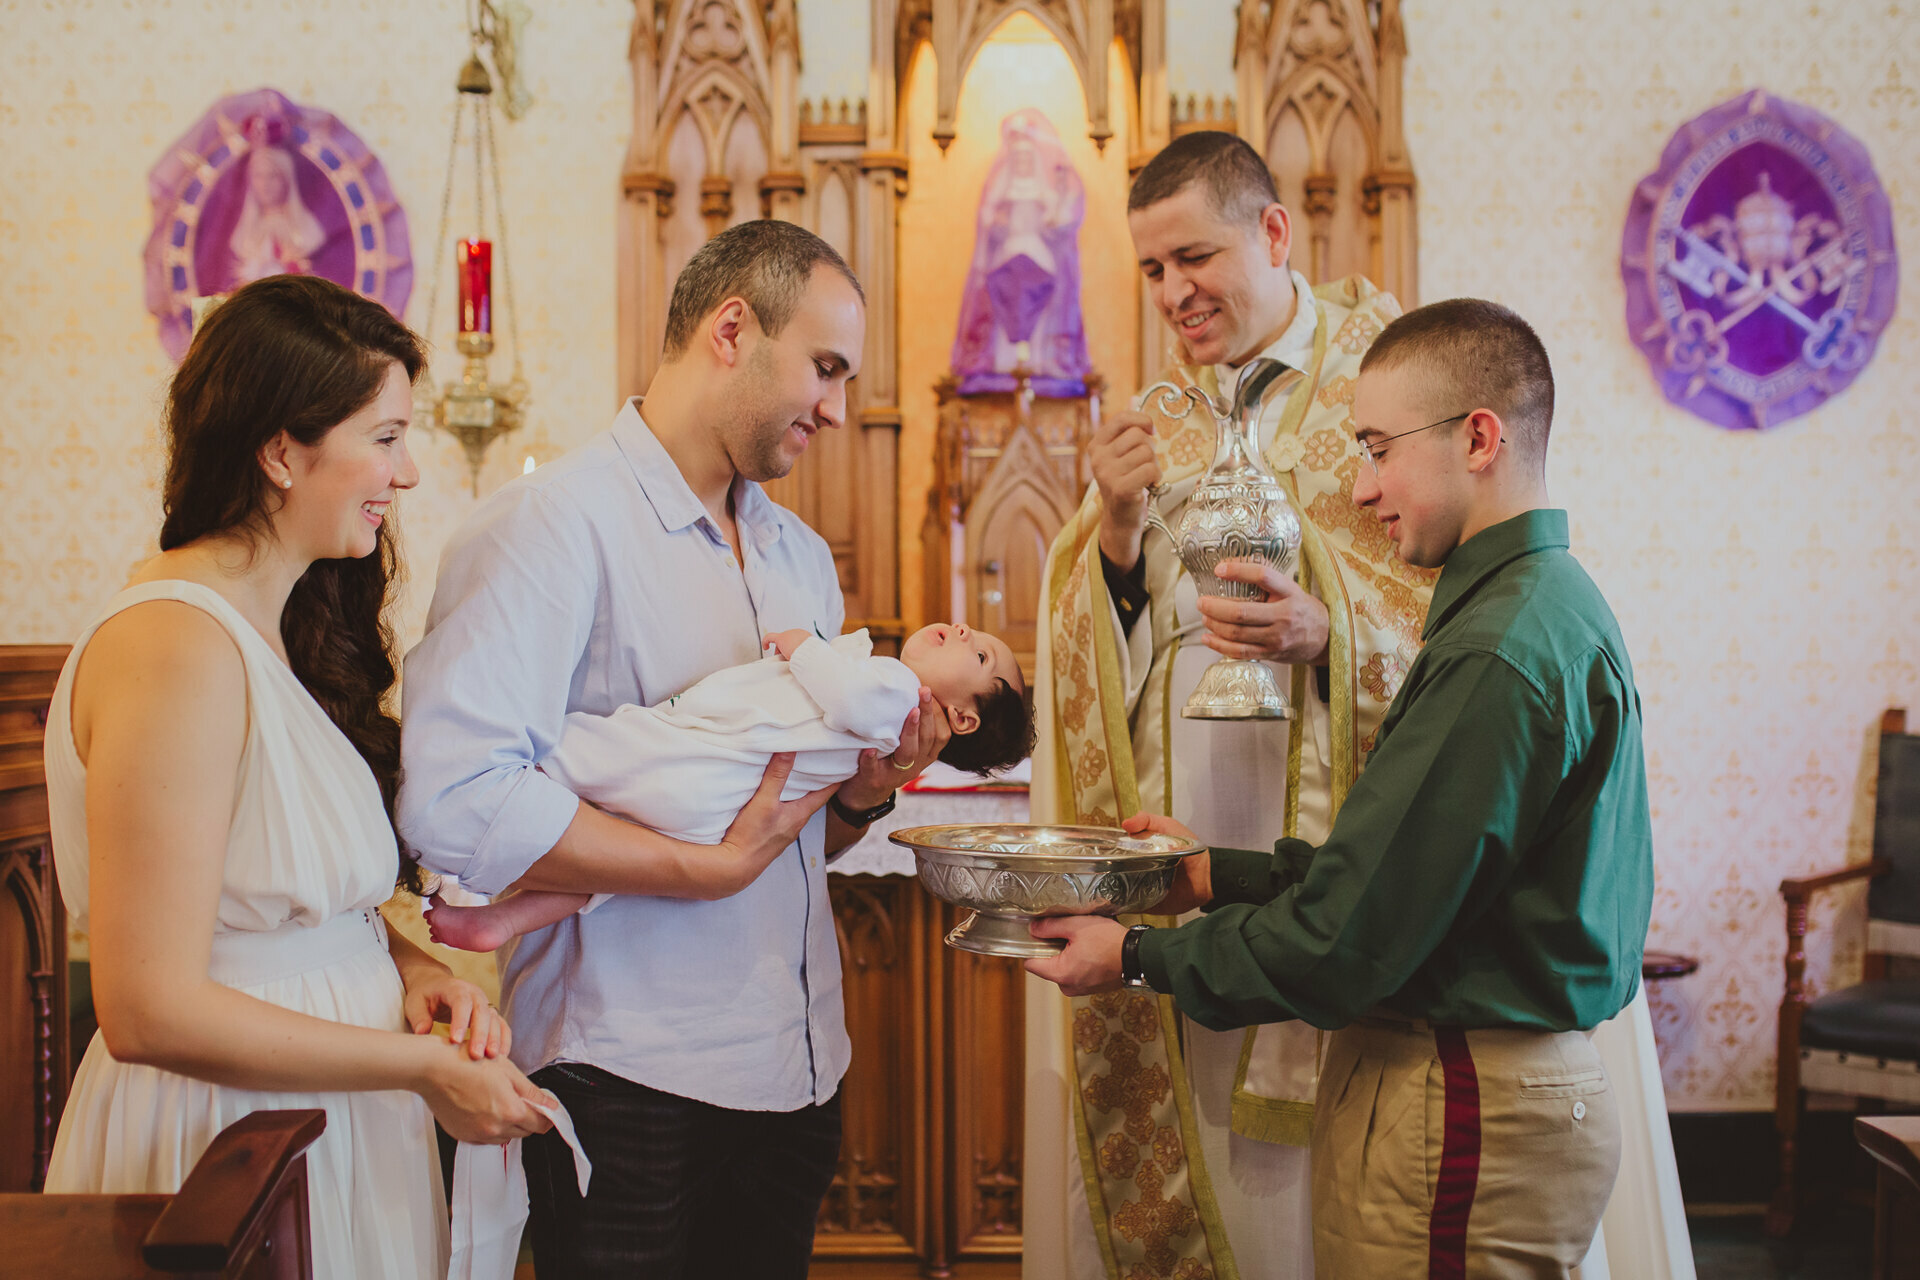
[686,766]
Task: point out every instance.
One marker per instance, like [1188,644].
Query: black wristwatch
[1131,973]
[861,817]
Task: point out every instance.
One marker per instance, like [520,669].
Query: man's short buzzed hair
[766,263]
[1238,183]
[1477,355]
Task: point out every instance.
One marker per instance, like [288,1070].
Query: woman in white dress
[221,766]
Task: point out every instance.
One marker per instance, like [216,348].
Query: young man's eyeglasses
[1368,446]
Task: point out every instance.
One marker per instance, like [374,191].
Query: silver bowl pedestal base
[1238,689]
[987,934]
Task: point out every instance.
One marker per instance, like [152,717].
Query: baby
[688,765]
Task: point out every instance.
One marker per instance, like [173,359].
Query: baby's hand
[785,642]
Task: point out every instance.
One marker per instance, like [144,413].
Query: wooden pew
[34,1058]
[240,1215]
[1894,1141]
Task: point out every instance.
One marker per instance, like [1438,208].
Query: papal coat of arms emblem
[1759,262]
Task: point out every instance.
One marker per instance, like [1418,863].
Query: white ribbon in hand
[490,1201]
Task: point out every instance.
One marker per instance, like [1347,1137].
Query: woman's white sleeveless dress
[309,859]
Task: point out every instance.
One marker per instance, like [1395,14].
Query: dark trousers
[681,1190]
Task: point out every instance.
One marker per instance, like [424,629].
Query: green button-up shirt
[1493,865]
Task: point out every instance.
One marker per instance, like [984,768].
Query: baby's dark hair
[1005,735]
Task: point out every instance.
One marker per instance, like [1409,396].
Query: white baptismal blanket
[688,765]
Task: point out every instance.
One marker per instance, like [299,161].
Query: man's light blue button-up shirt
[595,581]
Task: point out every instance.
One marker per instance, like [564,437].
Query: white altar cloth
[874,855]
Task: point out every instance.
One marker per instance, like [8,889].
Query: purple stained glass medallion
[263,186]
[1759,262]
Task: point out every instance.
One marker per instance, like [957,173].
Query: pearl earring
[286,484]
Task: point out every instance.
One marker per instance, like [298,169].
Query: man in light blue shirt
[692,1025]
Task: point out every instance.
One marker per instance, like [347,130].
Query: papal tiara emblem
[1759,262]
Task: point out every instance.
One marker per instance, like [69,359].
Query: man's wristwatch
[1131,973]
[861,817]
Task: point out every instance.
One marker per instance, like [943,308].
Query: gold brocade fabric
[1146,1181]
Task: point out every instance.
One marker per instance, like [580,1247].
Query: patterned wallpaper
[89,94]
[1768,584]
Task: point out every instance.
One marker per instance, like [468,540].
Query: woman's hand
[760,832]
[483,1101]
[435,995]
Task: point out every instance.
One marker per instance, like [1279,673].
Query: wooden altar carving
[704,136]
[718,138]
[980,1006]
[1009,468]
[876,1207]
[1084,28]
[931,1155]
[34,1054]
[1319,95]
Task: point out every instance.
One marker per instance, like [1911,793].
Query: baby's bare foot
[468,928]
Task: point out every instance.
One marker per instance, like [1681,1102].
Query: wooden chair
[240,1215]
[1864,1040]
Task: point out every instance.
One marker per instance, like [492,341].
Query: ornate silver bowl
[1010,874]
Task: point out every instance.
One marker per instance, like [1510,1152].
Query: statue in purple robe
[1022,301]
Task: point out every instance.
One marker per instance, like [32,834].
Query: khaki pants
[1441,1154]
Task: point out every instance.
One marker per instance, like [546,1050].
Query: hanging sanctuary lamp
[475,409]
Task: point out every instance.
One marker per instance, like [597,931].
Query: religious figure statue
[1022,302]
[276,233]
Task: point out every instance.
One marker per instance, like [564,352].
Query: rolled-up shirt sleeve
[486,690]
[1434,826]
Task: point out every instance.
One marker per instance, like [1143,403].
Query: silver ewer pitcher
[1238,511]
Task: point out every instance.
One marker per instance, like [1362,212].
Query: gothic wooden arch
[1320,97]
[1010,523]
[1084,28]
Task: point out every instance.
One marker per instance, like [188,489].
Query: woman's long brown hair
[301,355]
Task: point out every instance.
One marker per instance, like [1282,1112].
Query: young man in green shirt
[1482,900]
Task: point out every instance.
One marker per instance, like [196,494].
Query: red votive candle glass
[475,268]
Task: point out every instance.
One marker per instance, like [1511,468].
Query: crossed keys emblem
[1762,257]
